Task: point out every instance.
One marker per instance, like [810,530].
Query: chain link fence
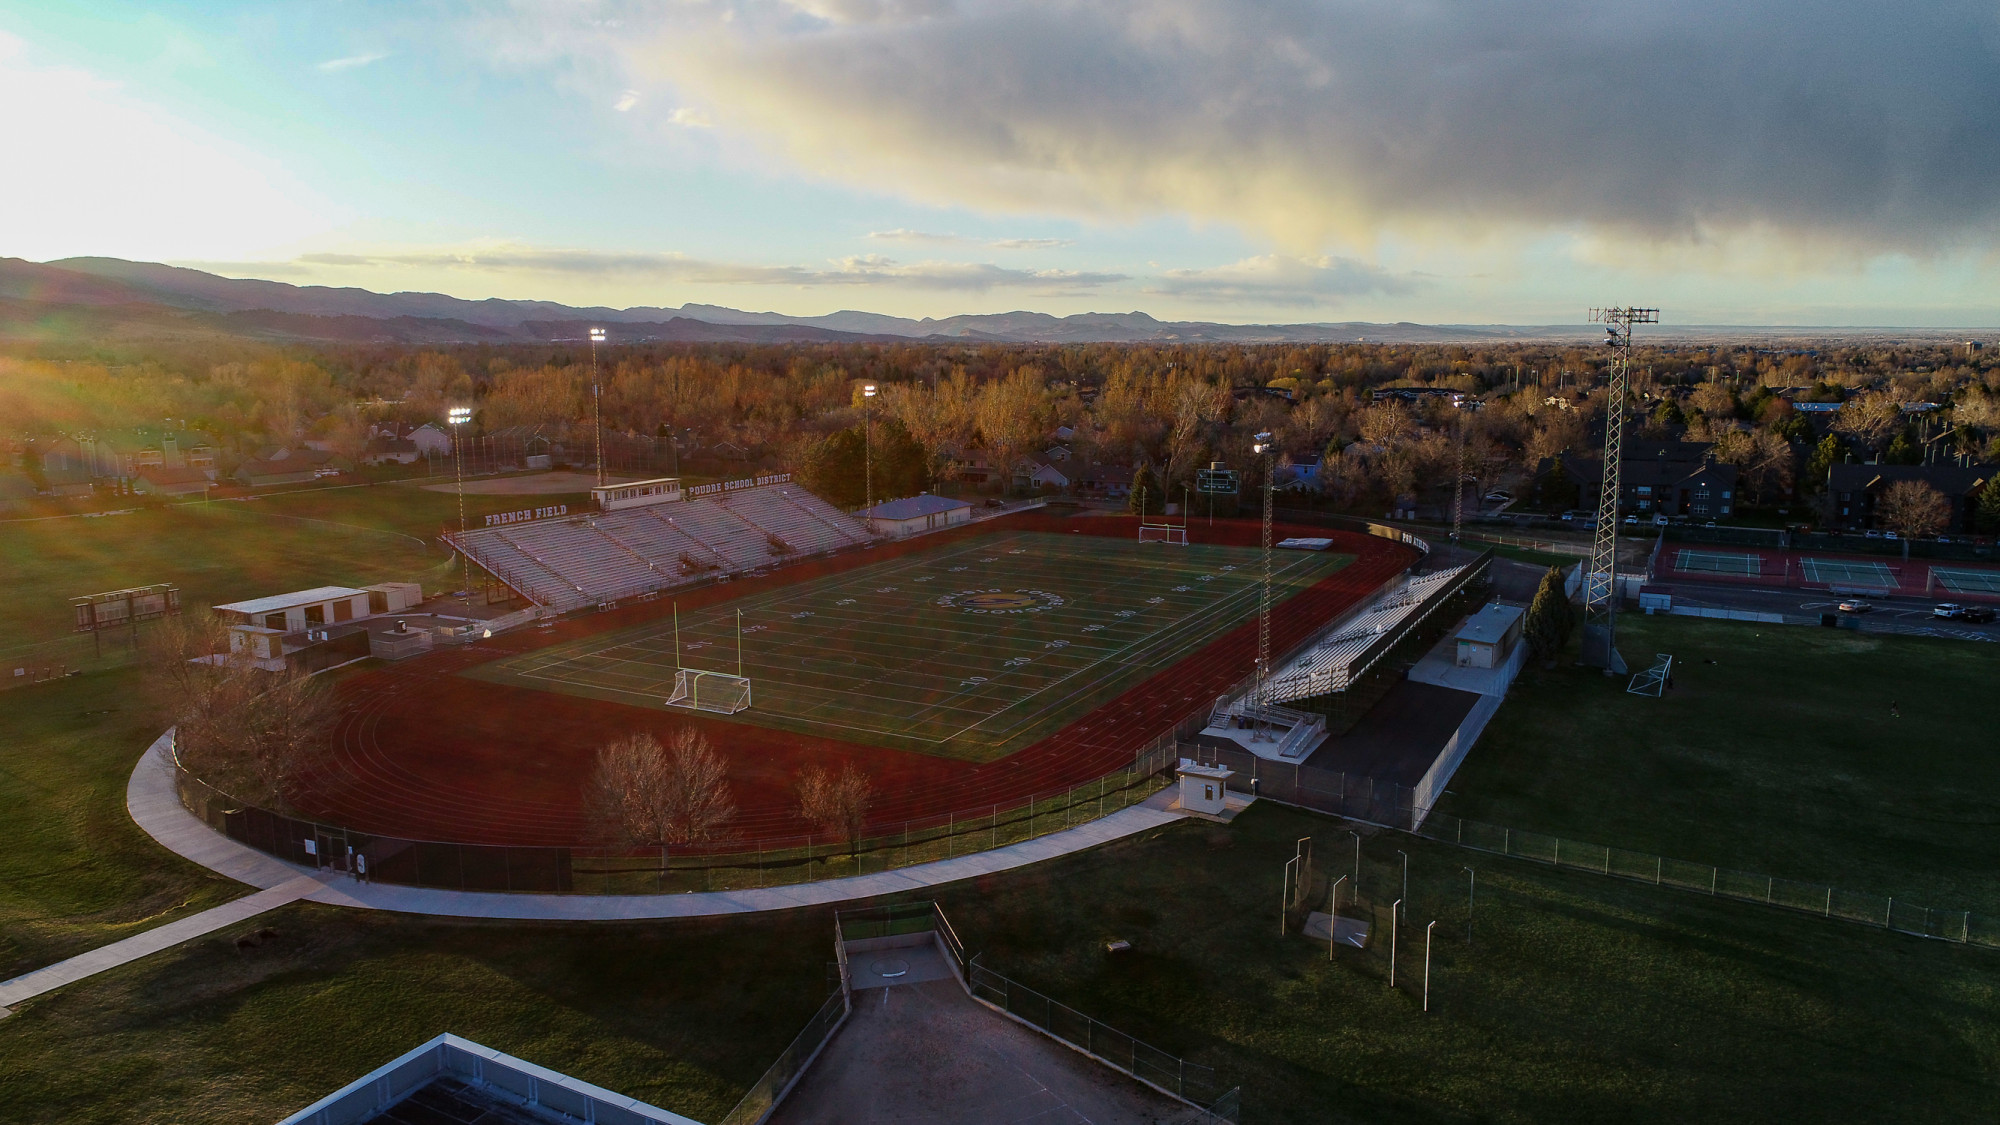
[1860,907]
[772,1086]
[1169,1073]
[723,865]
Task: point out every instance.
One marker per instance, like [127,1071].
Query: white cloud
[902,235]
[1845,123]
[688,118]
[351,62]
[626,101]
[97,170]
[1279,280]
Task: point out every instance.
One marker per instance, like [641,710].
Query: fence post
[1770,884]
[1712,875]
[1658,863]
[1888,912]
[1829,903]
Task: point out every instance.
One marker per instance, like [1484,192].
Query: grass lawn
[1776,752]
[971,650]
[75,872]
[216,555]
[685,1016]
[1580,1000]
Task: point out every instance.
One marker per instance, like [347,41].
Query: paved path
[153,804]
[29,985]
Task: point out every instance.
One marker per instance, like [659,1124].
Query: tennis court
[1967,581]
[1849,572]
[970,651]
[1718,562]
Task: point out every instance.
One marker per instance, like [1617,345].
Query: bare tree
[253,733]
[1913,510]
[836,803]
[1870,418]
[640,795]
[699,805]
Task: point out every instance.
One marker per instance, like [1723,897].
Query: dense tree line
[1167,408]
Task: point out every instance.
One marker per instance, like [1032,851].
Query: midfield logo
[1001,601]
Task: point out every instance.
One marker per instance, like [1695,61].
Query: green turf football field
[970,651]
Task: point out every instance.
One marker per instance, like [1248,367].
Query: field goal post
[718,692]
[1163,533]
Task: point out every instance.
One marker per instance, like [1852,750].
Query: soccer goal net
[710,691]
[1161,533]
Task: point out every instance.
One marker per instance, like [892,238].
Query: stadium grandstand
[648,536]
[1351,646]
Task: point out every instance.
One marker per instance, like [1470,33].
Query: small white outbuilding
[1203,788]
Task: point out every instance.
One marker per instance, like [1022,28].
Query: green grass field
[972,650]
[219,552]
[75,872]
[1776,752]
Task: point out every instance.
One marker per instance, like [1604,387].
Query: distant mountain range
[110,298]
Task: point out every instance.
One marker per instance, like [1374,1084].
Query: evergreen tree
[1551,618]
[1986,513]
[1824,457]
[1148,496]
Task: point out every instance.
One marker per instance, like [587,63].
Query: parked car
[1631,519]
[1952,611]
[1856,605]
[1710,523]
[1499,496]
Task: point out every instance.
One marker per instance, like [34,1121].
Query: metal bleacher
[598,557]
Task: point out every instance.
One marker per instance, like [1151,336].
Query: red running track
[424,753]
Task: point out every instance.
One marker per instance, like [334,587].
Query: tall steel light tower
[868,447]
[458,416]
[1600,582]
[1260,730]
[596,407]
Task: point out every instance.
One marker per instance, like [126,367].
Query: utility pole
[1600,581]
[596,402]
[1458,491]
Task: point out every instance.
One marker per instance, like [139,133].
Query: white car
[1856,605]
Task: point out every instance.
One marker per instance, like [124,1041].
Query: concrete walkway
[151,799]
[29,985]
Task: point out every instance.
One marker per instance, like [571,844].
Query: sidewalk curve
[154,805]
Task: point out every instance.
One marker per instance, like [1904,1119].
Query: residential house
[161,480]
[1662,478]
[1107,482]
[1036,473]
[285,465]
[389,450]
[1854,490]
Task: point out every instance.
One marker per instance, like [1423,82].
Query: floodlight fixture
[1263,443]
[867,390]
[458,415]
[597,335]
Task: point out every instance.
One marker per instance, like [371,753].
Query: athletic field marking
[847,690]
[1846,572]
[1968,581]
[1718,562]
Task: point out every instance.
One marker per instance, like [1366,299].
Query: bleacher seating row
[605,556]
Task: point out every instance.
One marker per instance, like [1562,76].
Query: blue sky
[1272,160]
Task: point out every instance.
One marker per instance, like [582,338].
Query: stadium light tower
[867,447]
[1600,582]
[458,416]
[1260,730]
[596,402]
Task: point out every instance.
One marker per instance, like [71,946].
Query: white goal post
[719,692]
[1163,533]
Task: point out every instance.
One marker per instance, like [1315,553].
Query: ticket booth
[1203,788]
